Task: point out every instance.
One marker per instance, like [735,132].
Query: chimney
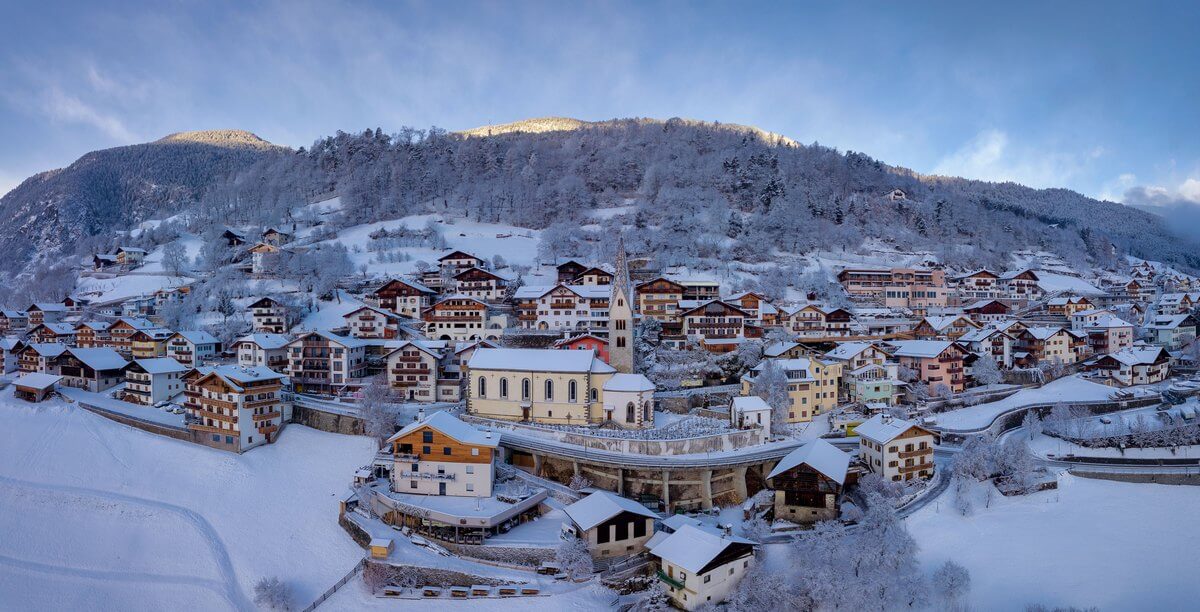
[420,414]
[487,434]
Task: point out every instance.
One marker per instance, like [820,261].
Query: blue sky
[1098,97]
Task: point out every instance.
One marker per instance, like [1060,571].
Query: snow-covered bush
[573,557]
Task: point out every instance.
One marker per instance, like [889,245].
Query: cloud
[990,156]
[65,107]
[1179,205]
[8,183]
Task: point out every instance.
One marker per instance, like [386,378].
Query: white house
[749,411]
[263,350]
[699,566]
[150,381]
[191,348]
[611,525]
[894,448]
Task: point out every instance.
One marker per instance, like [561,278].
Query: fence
[337,585]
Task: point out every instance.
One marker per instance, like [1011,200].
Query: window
[504,388]
[593,395]
[427,436]
[572,388]
[629,418]
[639,528]
[602,535]
[708,579]
[445,450]
[549,393]
[526,389]
[425,450]
[412,484]
[622,531]
[470,469]
[470,486]
[482,387]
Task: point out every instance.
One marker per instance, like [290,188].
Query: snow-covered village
[560,364]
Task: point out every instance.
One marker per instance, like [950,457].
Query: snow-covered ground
[517,245]
[1044,445]
[1066,389]
[1051,282]
[1117,546]
[101,516]
[330,314]
[102,290]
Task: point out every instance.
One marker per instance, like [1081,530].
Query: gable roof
[37,380]
[160,365]
[450,425]
[99,358]
[236,375]
[1139,356]
[266,341]
[692,547]
[920,348]
[846,351]
[628,382]
[47,349]
[134,322]
[411,283]
[196,336]
[458,255]
[819,455]
[600,506]
[749,403]
[941,323]
[538,360]
[882,431]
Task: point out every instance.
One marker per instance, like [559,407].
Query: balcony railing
[905,469]
[427,476]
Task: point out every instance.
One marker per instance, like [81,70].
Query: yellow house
[538,385]
[812,386]
[149,343]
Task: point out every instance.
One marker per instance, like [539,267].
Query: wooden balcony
[915,453]
[916,468]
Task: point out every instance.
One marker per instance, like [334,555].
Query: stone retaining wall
[327,421]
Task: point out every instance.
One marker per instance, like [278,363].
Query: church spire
[620,315]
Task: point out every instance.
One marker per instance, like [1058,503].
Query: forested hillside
[695,192]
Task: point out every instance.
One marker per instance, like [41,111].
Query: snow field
[164,524]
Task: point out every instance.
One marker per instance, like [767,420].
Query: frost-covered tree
[986,371]
[573,557]
[174,259]
[770,383]
[375,409]
[273,594]
[951,583]
[579,482]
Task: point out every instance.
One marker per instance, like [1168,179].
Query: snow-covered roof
[196,336]
[48,307]
[346,341]
[13,314]
[981,303]
[882,429]
[538,360]
[160,365]
[981,334]
[1043,332]
[155,334]
[778,348]
[750,403]
[94,325]
[940,323]
[819,455]
[101,358]
[677,521]
[450,425]
[266,341]
[846,351]
[1138,356]
[60,329]
[920,348]
[236,375]
[37,380]
[48,349]
[134,322]
[692,547]
[1168,321]
[601,506]
[1108,322]
[628,382]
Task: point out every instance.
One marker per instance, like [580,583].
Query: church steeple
[620,315]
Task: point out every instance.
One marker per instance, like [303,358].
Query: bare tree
[573,557]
